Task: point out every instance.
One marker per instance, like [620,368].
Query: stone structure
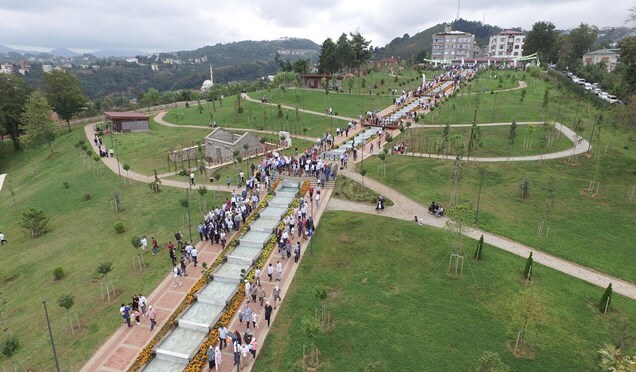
[220,145]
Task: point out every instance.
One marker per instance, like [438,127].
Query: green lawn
[81,237]
[494,141]
[255,116]
[504,107]
[595,231]
[348,189]
[394,307]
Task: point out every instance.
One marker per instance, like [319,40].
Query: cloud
[163,25]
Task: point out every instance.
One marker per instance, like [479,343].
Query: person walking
[248,290]
[270,271]
[257,276]
[247,313]
[261,294]
[144,244]
[253,347]
[182,263]
[176,272]
[222,337]
[173,256]
[143,301]
[268,312]
[126,314]
[297,252]
[236,346]
[211,355]
[218,357]
[192,179]
[276,295]
[155,246]
[279,271]
[195,255]
[2,239]
[254,293]
[152,315]
[254,320]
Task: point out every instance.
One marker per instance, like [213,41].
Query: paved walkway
[289,272]
[522,84]
[581,145]
[406,209]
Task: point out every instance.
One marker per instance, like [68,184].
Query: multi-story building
[607,56]
[508,43]
[452,45]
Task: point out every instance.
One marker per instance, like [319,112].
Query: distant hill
[6,49]
[63,52]
[118,53]
[249,51]
[419,45]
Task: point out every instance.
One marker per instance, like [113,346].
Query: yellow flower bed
[199,359]
[146,353]
[304,188]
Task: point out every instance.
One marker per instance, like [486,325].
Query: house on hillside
[452,45]
[608,56]
[126,122]
[314,81]
[387,64]
[220,145]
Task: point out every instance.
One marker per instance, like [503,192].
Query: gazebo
[127,122]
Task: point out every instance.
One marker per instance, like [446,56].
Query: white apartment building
[452,45]
[507,43]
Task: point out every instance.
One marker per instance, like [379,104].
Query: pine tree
[480,247]
[606,299]
[527,272]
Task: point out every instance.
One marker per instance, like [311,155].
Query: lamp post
[48,323]
[113,145]
[188,209]
[481,181]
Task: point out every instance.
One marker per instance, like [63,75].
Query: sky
[161,25]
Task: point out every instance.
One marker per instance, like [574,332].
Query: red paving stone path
[289,271]
[120,350]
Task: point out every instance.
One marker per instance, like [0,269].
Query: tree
[35,221]
[301,66]
[606,299]
[491,362]
[360,50]
[14,93]
[64,93]
[578,42]
[344,54]
[628,61]
[512,135]
[459,219]
[327,62]
[36,120]
[527,308]
[527,271]
[542,39]
[480,248]
[525,188]
[310,326]
[104,268]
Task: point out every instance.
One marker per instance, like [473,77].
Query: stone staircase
[178,347]
[313,182]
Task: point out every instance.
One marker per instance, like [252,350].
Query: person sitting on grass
[433,208]
[440,212]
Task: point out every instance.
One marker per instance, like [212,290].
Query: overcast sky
[162,25]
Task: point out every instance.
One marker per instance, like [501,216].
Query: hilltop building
[208,84]
[507,43]
[452,45]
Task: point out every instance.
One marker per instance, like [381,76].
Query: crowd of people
[136,310]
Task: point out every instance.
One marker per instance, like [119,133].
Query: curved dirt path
[522,84]
[406,209]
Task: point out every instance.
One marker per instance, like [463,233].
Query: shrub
[310,326]
[119,227]
[35,221]
[58,272]
[182,172]
[66,185]
[527,271]
[66,301]
[104,268]
[321,292]
[136,241]
[606,299]
[87,197]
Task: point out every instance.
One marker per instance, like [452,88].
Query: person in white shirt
[144,244]
[2,239]
[175,275]
[192,179]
